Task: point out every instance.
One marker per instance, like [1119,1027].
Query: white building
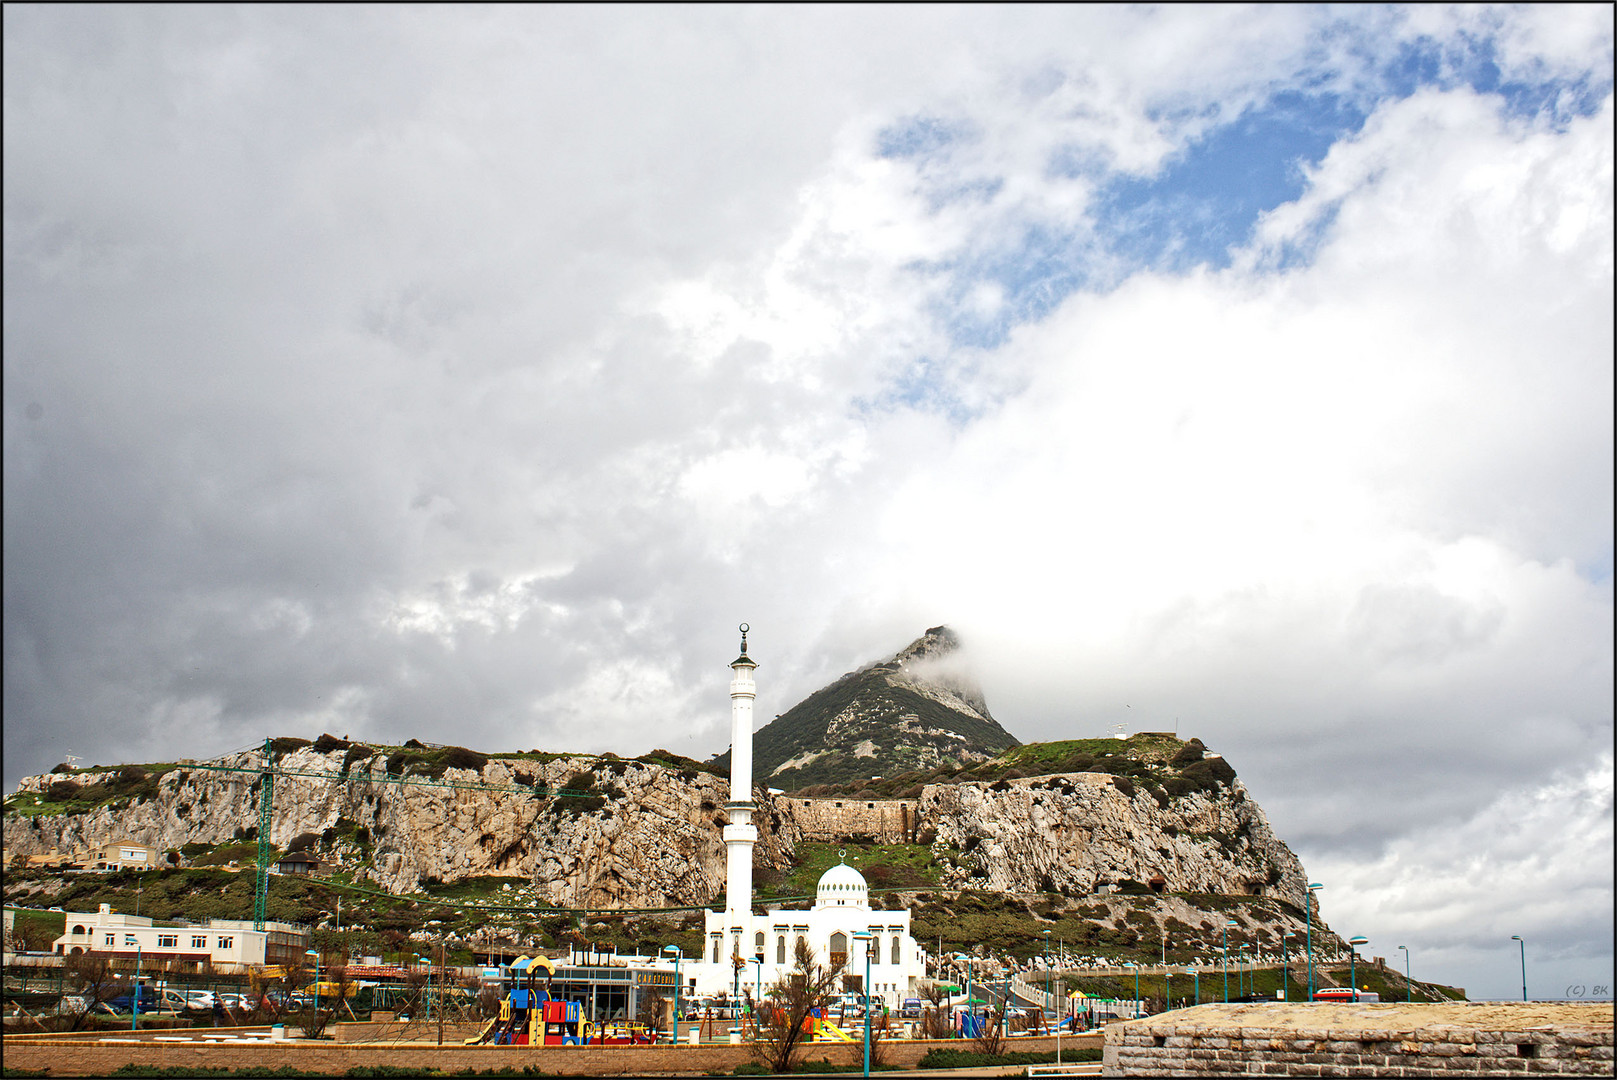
[767,943]
[216,941]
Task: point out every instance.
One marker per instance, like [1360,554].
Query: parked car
[125,1002]
[911,1009]
[200,999]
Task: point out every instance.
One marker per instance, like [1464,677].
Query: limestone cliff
[643,834]
[647,836]
[1076,832]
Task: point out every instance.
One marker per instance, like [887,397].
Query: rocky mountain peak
[918,708]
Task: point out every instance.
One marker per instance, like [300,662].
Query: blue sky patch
[1206,201]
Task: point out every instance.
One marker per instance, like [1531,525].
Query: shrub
[1124,785]
[325,744]
[62,791]
[1209,772]
[287,745]
[1192,752]
[458,757]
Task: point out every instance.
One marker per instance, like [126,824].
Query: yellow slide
[480,1036]
[828,1028]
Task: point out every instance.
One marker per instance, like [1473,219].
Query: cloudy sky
[470,374]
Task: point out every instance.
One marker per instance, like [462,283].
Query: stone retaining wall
[80,1056]
[1321,1039]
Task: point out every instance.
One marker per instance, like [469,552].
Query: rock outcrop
[641,834]
[1076,833]
[646,836]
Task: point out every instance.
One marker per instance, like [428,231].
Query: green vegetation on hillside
[885,866]
[1162,765]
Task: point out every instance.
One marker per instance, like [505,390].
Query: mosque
[767,943]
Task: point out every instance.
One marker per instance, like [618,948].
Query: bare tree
[990,1038]
[810,985]
[97,982]
[934,1016]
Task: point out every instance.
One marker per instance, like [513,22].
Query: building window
[897,956]
[168,941]
[199,941]
[758,945]
[129,939]
[227,943]
[111,940]
[715,950]
[78,931]
[780,949]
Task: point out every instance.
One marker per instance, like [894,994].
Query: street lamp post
[866,938]
[1136,968]
[1308,916]
[1049,999]
[427,992]
[1517,938]
[1409,987]
[134,1016]
[1197,972]
[1227,924]
[1285,966]
[316,955]
[677,954]
[1353,963]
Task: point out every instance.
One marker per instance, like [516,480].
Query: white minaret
[740,834]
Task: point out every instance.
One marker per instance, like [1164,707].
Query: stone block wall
[887,821]
[1321,1039]
[77,1055]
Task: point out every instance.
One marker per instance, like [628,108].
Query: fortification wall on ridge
[886,821]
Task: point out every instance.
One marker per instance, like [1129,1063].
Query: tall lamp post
[1409,987]
[1049,998]
[428,991]
[1353,963]
[866,938]
[967,958]
[1285,966]
[1197,972]
[1227,924]
[677,954]
[758,998]
[134,1016]
[314,953]
[1308,916]
[1517,938]
[1136,968]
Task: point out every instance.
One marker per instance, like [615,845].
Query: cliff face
[649,835]
[653,840]
[1074,832]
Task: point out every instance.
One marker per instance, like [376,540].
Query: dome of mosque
[842,886]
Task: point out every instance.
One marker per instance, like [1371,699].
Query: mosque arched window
[896,955]
[715,949]
[780,950]
[758,944]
